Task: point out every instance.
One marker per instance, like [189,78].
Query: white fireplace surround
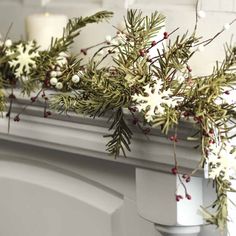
[56,178]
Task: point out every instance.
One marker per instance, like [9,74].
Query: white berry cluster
[56,73]
[54,79]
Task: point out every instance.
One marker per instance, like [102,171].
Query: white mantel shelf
[83,136]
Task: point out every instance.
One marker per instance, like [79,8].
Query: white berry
[75,79]
[226,26]
[201,14]
[201,48]
[53,73]
[53,81]
[59,85]
[8,43]
[108,38]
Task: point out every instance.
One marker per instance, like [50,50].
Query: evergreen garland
[158,91]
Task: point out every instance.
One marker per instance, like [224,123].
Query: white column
[156,202]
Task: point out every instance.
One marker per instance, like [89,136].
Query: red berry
[189,197]
[211,141]
[211,131]
[186,114]
[17,118]
[154,43]
[227,92]
[47,83]
[33,99]
[178,197]
[188,179]
[173,138]
[174,170]
[185,176]
[141,53]
[166,35]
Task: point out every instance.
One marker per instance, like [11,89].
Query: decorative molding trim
[84,136]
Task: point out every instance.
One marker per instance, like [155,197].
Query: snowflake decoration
[222,162]
[155,100]
[24,61]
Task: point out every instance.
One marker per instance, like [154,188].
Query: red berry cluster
[33,99]
[186,177]
[17,118]
[179,197]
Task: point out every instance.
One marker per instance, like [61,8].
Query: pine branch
[120,139]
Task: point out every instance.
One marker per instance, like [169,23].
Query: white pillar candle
[42,27]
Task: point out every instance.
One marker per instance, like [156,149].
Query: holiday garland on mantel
[158,91]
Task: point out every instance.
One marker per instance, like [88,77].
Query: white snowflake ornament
[24,61]
[154,100]
[222,161]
